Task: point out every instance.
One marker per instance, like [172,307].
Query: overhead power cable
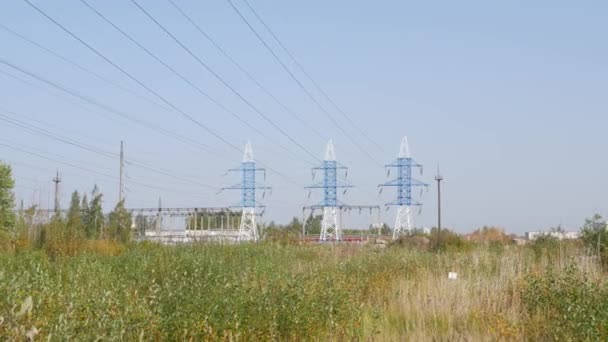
[247,73]
[102,106]
[119,113]
[48,134]
[76,166]
[133,78]
[315,83]
[301,86]
[80,66]
[183,78]
[219,78]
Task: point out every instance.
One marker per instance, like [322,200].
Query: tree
[7,204]
[120,223]
[313,224]
[75,212]
[95,219]
[7,199]
[295,226]
[595,236]
[85,214]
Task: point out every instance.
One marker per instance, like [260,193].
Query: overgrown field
[291,292]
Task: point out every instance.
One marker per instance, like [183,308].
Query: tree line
[65,232]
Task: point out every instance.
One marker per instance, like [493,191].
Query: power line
[133,78]
[316,84]
[301,86]
[98,104]
[82,168]
[112,155]
[218,77]
[183,78]
[247,73]
[80,67]
[119,113]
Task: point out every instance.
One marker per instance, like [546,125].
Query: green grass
[290,292]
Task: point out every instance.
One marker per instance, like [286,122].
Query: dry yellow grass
[483,304]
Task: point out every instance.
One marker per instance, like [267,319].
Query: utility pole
[57,180]
[438,178]
[121,189]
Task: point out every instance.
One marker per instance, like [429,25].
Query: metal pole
[121,189]
[438,178]
[303,223]
[57,180]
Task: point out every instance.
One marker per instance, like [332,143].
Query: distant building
[531,236]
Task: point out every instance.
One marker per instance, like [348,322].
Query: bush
[594,234]
[416,242]
[565,306]
[449,241]
[545,245]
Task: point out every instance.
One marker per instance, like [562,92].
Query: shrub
[565,306]
[545,245]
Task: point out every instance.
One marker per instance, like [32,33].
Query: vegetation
[79,277]
[285,292]
[594,234]
[7,203]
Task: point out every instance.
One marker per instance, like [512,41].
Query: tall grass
[289,292]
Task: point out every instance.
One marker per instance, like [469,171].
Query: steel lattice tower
[404,183]
[248,229]
[330,227]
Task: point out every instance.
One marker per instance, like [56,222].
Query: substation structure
[186,225]
[404,184]
[332,208]
[341,209]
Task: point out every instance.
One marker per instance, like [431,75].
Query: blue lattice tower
[248,229]
[330,227]
[404,184]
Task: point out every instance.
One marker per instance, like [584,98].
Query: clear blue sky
[508,97]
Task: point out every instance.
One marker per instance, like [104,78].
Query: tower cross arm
[233,187]
[338,167]
[416,182]
[318,185]
[412,204]
[394,182]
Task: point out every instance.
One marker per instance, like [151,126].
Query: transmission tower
[330,227]
[404,183]
[248,229]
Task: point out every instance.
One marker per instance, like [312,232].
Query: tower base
[330,228]
[248,230]
[403,222]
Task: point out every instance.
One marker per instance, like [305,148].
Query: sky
[507,97]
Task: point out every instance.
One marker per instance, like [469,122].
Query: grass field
[291,292]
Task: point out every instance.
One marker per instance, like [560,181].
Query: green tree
[119,228]
[313,224]
[85,214]
[7,199]
[594,234]
[74,219]
[95,219]
[7,204]
[295,226]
